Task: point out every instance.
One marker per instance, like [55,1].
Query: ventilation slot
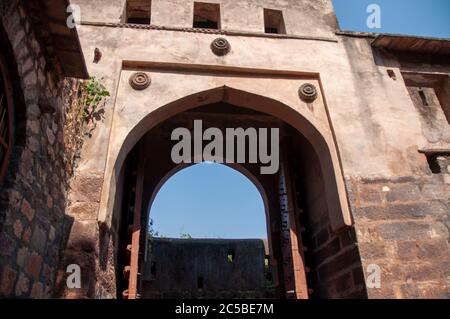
[200,283]
[230,256]
[423,97]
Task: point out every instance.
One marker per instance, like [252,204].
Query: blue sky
[209,201]
[214,201]
[414,17]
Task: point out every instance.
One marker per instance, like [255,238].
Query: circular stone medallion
[308,92]
[140,81]
[220,46]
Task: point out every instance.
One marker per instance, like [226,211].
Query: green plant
[185,236]
[151,231]
[85,106]
[91,94]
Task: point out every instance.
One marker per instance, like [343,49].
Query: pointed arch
[318,136]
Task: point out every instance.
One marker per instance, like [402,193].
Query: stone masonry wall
[403,227]
[208,261]
[336,270]
[32,200]
[333,259]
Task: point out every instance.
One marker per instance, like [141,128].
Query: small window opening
[274,22]
[230,256]
[391,74]
[138,11]
[423,97]
[200,283]
[153,269]
[267,269]
[439,163]
[206,15]
[424,87]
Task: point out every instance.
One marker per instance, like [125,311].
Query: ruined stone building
[364,178]
[201,266]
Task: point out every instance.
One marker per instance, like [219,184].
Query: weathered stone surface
[51,136]
[403,193]
[27,210]
[33,144]
[39,239]
[412,230]
[87,187]
[425,291]
[52,233]
[49,202]
[27,235]
[369,193]
[18,228]
[403,211]
[37,292]
[16,41]
[14,198]
[34,111]
[48,274]
[33,265]
[30,79]
[418,271]
[7,245]
[372,251]
[7,280]
[382,293]
[22,255]
[425,250]
[23,285]
[83,210]
[436,191]
[83,236]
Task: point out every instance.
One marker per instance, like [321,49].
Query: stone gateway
[87,113]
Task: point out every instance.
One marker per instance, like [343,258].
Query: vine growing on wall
[85,107]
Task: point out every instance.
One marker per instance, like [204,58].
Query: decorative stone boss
[220,46]
[140,81]
[308,92]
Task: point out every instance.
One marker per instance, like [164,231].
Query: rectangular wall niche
[431,95]
[274,22]
[138,11]
[206,15]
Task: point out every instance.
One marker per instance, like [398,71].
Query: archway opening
[308,258]
[208,200]
[215,230]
